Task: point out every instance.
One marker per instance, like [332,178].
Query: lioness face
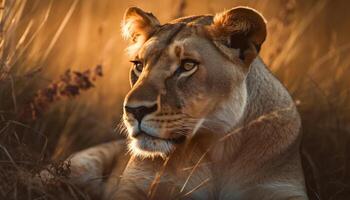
[181,81]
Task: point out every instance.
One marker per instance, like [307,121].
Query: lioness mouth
[177,140]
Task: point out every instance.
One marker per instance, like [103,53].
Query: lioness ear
[240,28]
[138,25]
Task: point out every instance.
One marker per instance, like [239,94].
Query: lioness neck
[265,93]
[268,125]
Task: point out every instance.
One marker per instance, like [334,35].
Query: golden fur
[205,118]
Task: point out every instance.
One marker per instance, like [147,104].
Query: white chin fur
[147,147]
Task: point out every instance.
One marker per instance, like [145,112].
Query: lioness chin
[205,118]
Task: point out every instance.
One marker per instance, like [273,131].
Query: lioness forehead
[161,39]
[164,38]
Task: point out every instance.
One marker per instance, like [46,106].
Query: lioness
[205,118]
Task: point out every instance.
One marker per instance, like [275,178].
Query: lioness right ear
[138,25]
[240,28]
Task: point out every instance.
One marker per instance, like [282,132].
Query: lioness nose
[140,111]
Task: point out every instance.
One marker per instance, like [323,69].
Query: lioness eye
[188,64]
[138,66]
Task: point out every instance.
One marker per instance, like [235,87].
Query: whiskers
[186,126]
[121,128]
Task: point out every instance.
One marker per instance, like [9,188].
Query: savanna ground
[63,75]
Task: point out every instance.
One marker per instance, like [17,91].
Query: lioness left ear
[138,25]
[240,28]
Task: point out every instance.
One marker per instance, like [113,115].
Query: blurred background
[64,72]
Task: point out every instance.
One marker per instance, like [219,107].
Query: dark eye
[188,64]
[138,66]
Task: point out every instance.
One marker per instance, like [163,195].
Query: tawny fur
[241,126]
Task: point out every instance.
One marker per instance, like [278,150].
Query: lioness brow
[165,43]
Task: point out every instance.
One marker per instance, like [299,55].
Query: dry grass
[307,49]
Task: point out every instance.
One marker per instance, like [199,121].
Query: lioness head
[186,75]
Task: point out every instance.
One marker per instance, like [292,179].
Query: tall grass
[306,48]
